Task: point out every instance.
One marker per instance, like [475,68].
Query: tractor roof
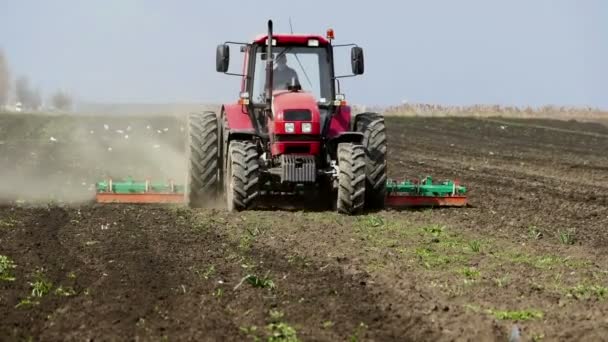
[282,38]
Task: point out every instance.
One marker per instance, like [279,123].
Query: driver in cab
[283,75]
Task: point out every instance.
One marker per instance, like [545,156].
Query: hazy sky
[450,52]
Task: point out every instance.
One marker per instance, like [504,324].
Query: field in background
[413,109]
[529,252]
[545,112]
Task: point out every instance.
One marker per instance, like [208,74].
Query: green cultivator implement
[130,191]
[409,193]
[425,193]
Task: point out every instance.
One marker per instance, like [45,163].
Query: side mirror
[356,60]
[222,58]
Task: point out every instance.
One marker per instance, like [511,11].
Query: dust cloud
[45,158]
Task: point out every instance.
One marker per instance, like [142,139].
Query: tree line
[29,97]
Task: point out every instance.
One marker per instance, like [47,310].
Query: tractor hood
[286,100]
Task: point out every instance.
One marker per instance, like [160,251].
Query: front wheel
[351,178]
[241,181]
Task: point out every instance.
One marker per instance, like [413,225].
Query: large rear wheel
[374,140]
[204,159]
[351,178]
[241,180]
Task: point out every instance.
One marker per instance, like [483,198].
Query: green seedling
[535,233]
[281,332]
[26,302]
[430,258]
[475,246]
[6,267]
[65,291]
[567,237]
[8,223]
[501,282]
[588,291]
[218,293]
[206,274]
[261,282]
[355,337]
[41,287]
[435,230]
[523,315]
[470,272]
[374,221]
[276,315]
[327,324]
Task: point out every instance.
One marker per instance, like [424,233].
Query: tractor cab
[299,65]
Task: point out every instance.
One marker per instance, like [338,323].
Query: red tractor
[290,132]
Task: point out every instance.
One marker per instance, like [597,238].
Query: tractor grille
[298,169]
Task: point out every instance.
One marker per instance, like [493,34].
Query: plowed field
[527,258]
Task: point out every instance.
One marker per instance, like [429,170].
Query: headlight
[306,127]
[289,127]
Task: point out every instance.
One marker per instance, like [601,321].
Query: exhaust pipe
[269,68]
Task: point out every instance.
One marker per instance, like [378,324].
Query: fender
[236,120]
[345,137]
[358,115]
[235,125]
[340,122]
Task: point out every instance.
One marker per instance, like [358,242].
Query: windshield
[307,66]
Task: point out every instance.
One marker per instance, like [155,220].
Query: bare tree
[62,100]
[4,80]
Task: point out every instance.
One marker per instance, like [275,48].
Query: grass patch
[299,260]
[439,258]
[205,273]
[431,259]
[281,332]
[540,261]
[8,223]
[218,292]
[327,324]
[470,272]
[534,233]
[276,330]
[567,237]
[6,268]
[522,315]
[434,230]
[26,302]
[374,221]
[40,287]
[382,233]
[502,281]
[588,291]
[260,282]
[67,291]
[356,336]
[475,246]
